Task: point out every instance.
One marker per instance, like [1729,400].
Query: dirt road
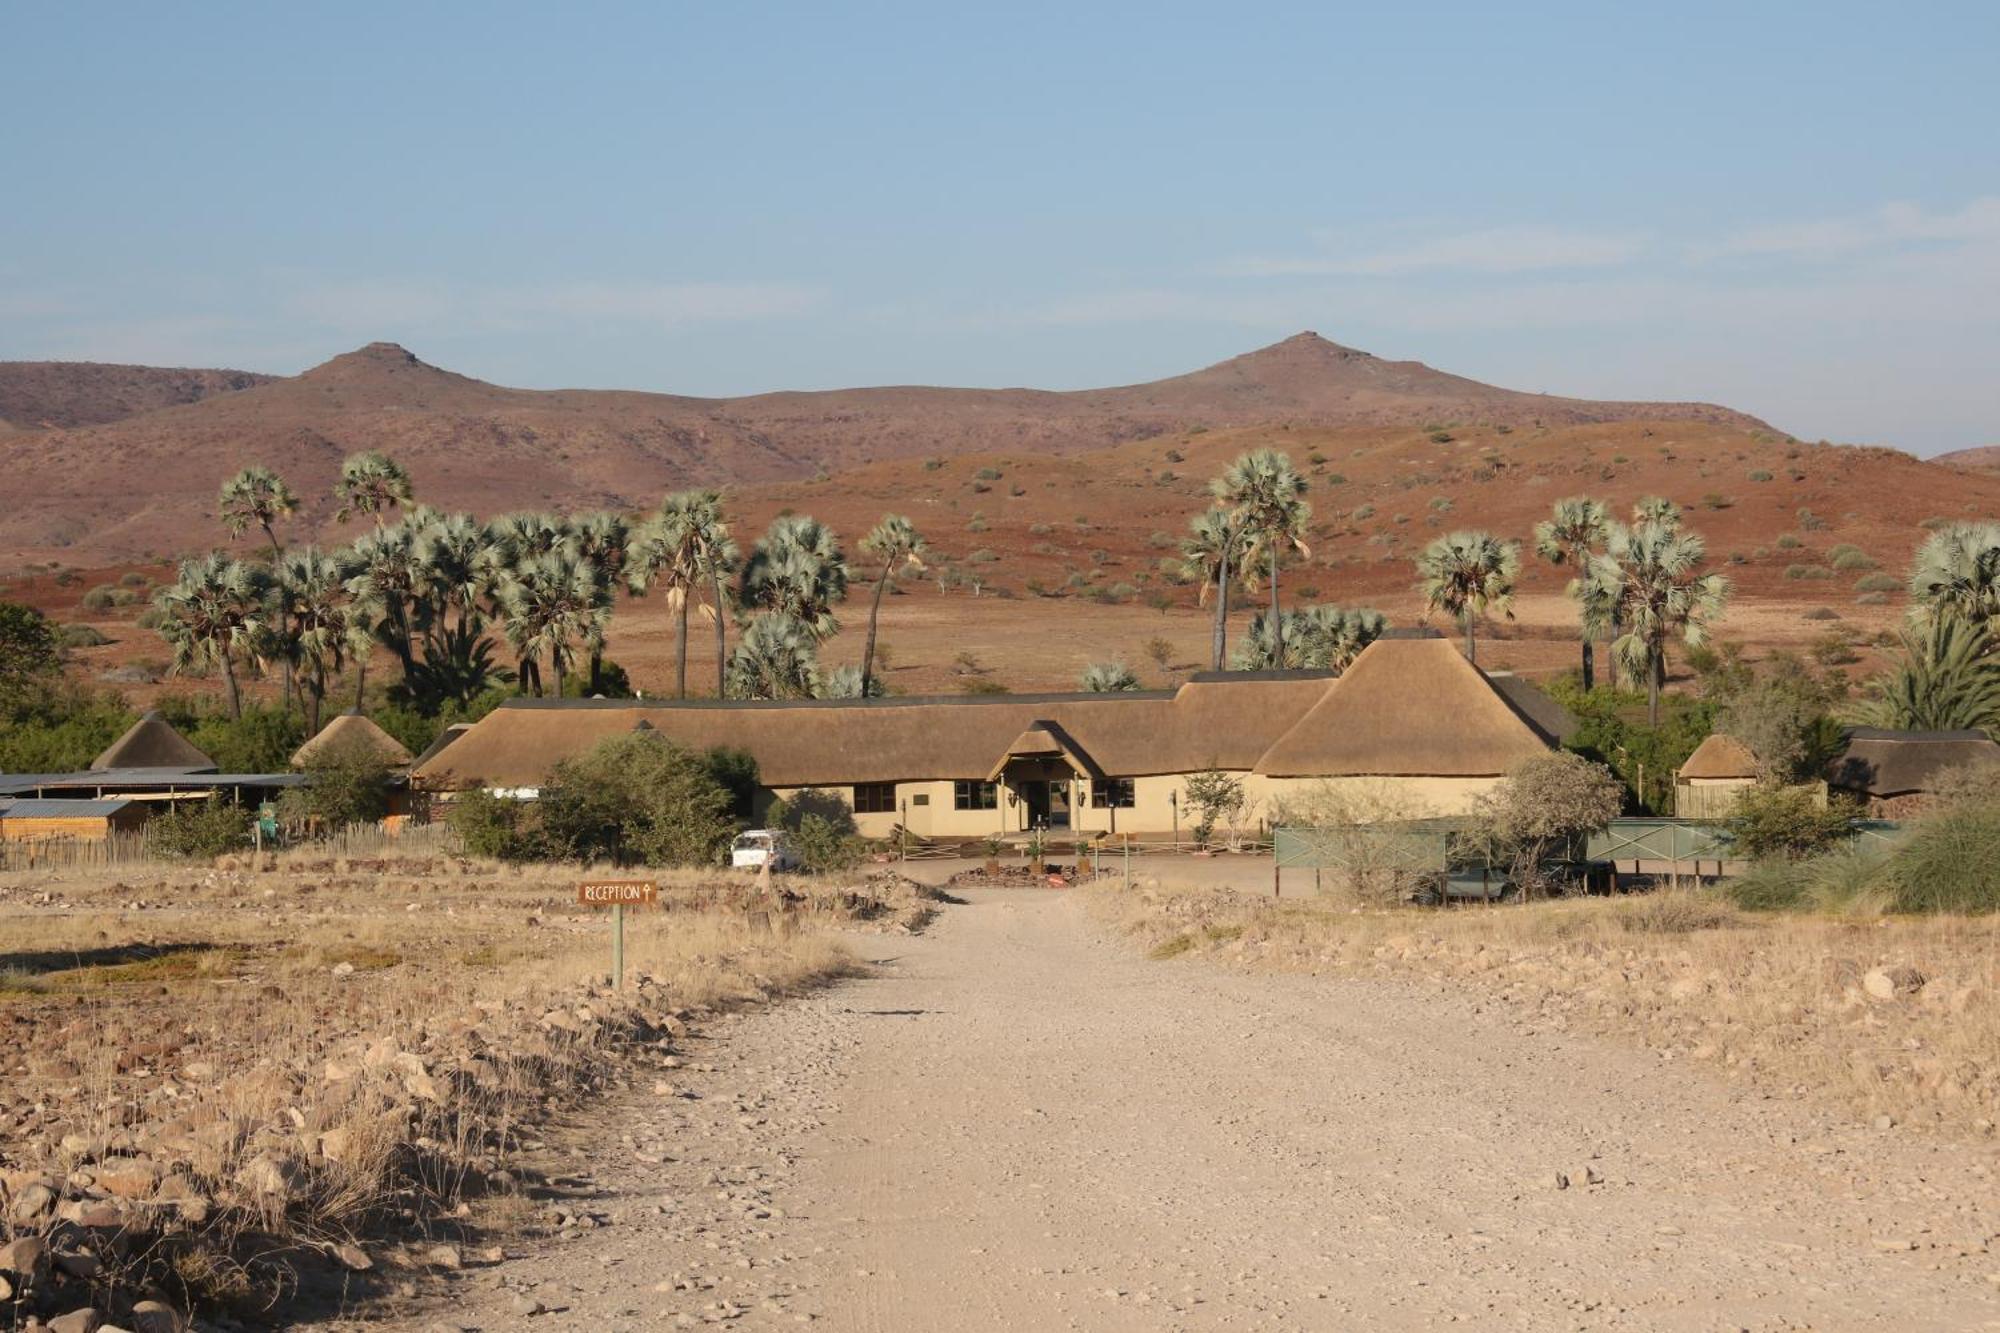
[1020,1123]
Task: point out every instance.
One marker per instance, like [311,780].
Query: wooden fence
[71,853]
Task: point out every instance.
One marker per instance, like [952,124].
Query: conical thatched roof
[1406,708]
[152,743]
[353,730]
[1720,756]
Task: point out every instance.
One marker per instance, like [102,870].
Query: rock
[26,1258]
[444,1256]
[1885,1122]
[1894,1244]
[353,1258]
[157,1317]
[85,1266]
[1560,1180]
[1890,983]
[343,969]
[271,1179]
[32,1202]
[6,1290]
[525,1304]
[86,1320]
[127,1177]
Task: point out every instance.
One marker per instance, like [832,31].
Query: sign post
[617,894]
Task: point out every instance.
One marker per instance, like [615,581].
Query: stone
[525,1304]
[26,1258]
[127,1177]
[32,1202]
[269,1178]
[1891,983]
[444,1256]
[6,1290]
[157,1317]
[86,1320]
[343,969]
[1894,1244]
[85,1266]
[353,1258]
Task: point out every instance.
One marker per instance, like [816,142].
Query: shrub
[203,829]
[1716,500]
[82,636]
[1877,583]
[1787,542]
[1950,863]
[490,825]
[1336,478]
[1872,599]
[983,557]
[1212,796]
[97,599]
[1760,475]
[1787,823]
[637,797]
[132,578]
[1363,513]
[988,474]
[1810,522]
[345,784]
[820,827]
[1821,613]
[1542,806]
[1849,559]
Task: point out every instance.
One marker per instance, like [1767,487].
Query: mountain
[1984,458]
[55,395]
[146,481]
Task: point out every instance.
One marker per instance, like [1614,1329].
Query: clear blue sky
[1792,208]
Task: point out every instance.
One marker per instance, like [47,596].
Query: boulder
[1892,983]
[27,1258]
[86,1320]
[31,1202]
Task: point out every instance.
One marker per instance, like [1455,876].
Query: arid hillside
[60,395]
[1985,458]
[147,483]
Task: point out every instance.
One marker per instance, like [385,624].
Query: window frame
[974,794]
[1113,793]
[876,790]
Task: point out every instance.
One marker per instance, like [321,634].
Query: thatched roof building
[152,743]
[1407,709]
[1882,765]
[1720,758]
[353,730]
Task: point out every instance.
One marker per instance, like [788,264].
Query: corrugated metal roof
[143,779]
[33,809]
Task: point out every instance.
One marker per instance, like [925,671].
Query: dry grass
[379,1032]
[1777,1001]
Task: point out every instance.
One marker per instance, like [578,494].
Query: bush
[208,828]
[821,829]
[1950,863]
[82,636]
[98,598]
[263,740]
[345,784]
[490,825]
[1877,583]
[1543,805]
[637,797]
[1760,475]
[1787,823]
[1849,558]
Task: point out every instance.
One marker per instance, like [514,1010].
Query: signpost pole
[618,945]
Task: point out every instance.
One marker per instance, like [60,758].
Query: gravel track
[1021,1123]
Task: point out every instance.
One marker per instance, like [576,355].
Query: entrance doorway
[1047,802]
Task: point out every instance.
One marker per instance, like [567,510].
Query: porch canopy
[1046,743]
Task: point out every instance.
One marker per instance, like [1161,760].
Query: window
[1112,794]
[874,798]
[975,796]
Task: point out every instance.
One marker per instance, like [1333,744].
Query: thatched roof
[1881,762]
[152,743]
[1406,708]
[1542,712]
[353,730]
[1720,756]
[1450,716]
[444,738]
[1046,740]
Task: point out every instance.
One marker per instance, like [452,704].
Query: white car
[758,847]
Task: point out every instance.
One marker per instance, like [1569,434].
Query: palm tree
[214,608]
[1268,496]
[259,496]
[1946,681]
[549,605]
[1108,678]
[454,572]
[1212,554]
[313,587]
[845,683]
[1957,571]
[371,483]
[1570,536]
[1467,574]
[685,549]
[776,657]
[1660,596]
[386,575]
[1317,638]
[600,540]
[797,569]
[896,542]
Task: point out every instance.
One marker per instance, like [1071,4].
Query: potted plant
[993,847]
[1035,848]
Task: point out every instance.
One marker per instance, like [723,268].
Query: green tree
[1661,595]
[371,483]
[30,653]
[312,588]
[211,614]
[1321,638]
[776,657]
[1569,537]
[551,605]
[637,797]
[686,551]
[256,497]
[1944,680]
[1957,572]
[897,544]
[1268,495]
[344,784]
[1467,574]
[1543,805]
[600,542]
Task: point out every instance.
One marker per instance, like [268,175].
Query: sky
[1793,209]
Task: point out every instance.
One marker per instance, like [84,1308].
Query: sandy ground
[1021,1123]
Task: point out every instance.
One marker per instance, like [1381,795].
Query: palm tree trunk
[1656,677]
[1277,621]
[596,671]
[229,679]
[314,692]
[868,652]
[1615,632]
[681,662]
[1589,662]
[1471,641]
[1221,610]
[360,676]
[721,641]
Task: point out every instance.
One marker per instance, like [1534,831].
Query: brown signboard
[618,893]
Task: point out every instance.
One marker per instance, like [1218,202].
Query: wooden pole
[618,945]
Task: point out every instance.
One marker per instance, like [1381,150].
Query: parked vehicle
[758,847]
